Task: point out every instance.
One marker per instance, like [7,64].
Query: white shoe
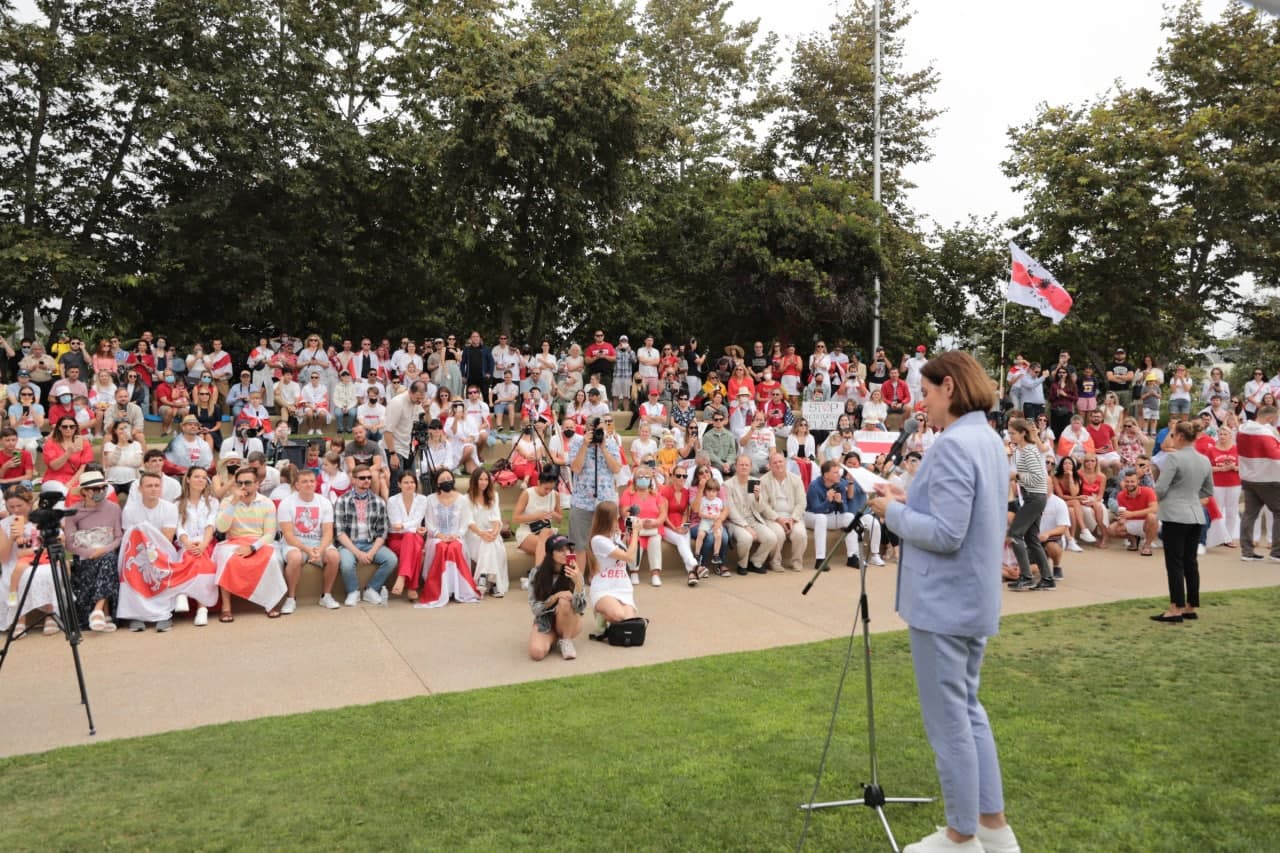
[655,579]
[1087,537]
[371,596]
[384,595]
[524,582]
[353,598]
[1000,840]
[567,649]
[940,843]
[1073,545]
[875,560]
[289,606]
[202,617]
[1200,550]
[482,585]
[182,605]
[328,602]
[635,579]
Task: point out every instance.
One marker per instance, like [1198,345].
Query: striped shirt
[255,520]
[1031,472]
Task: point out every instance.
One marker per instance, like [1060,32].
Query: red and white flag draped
[1034,286]
[153,574]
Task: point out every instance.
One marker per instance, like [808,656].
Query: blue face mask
[64,398]
[169,380]
[643,482]
[205,380]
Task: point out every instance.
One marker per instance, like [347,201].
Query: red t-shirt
[1144,497]
[1102,436]
[1216,456]
[167,394]
[602,349]
[24,468]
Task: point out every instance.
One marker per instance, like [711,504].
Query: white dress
[490,557]
[37,579]
[447,580]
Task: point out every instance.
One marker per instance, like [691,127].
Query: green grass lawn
[1116,734]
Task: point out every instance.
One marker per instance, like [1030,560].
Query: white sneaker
[875,560]
[655,579]
[182,605]
[371,596]
[1073,545]
[202,617]
[353,598]
[635,579]
[524,582]
[567,649]
[328,602]
[289,606]
[1087,537]
[1000,840]
[1200,550]
[384,595]
[940,843]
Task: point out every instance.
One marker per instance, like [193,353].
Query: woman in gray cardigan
[1186,480]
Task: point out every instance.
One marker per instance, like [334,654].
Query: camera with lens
[248,432]
[630,521]
[527,430]
[419,432]
[47,518]
[597,435]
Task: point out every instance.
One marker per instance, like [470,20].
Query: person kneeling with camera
[557,599]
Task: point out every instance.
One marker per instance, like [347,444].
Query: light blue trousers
[947,670]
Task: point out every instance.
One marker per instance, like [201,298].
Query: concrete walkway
[145,683]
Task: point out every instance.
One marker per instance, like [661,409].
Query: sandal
[399,586]
[1131,547]
[50,626]
[226,616]
[1146,552]
[693,578]
[19,631]
[413,595]
[97,621]
[723,572]
[273,613]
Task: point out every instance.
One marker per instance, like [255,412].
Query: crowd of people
[331,456]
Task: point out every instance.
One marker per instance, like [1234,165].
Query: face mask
[64,398]
[643,482]
[169,380]
[446,486]
[205,380]
[26,350]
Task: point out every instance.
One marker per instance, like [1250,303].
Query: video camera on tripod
[48,518]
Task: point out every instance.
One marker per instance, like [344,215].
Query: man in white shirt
[306,528]
[372,415]
[595,408]
[188,449]
[478,414]
[397,435]
[151,509]
[505,399]
[506,358]
[221,368]
[784,492]
[288,393]
[648,358]
[1055,524]
[153,462]
[314,402]
[652,411]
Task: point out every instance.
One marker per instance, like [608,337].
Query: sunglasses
[244,484]
[364,477]
[93,488]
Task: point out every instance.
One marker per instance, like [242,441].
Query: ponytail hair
[603,523]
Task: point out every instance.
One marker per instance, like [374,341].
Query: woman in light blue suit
[952,528]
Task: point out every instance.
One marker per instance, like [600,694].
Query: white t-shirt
[163,515]
[307,517]
[478,414]
[287,393]
[1055,514]
[373,416]
[647,370]
[612,578]
[171,491]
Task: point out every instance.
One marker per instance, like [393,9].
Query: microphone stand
[873,796]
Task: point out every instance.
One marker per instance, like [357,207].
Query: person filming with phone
[557,599]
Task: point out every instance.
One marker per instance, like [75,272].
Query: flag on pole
[1034,286]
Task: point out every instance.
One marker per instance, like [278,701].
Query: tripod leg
[70,621]
[884,821]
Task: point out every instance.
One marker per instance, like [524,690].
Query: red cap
[920,348]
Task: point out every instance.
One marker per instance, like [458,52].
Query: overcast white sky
[997,59]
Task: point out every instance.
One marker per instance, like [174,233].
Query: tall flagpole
[1004,306]
[875,180]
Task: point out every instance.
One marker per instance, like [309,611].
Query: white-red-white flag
[1032,285]
[153,574]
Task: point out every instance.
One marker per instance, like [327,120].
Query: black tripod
[872,794]
[65,618]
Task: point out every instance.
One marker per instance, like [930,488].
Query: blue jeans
[384,557]
[346,419]
[709,544]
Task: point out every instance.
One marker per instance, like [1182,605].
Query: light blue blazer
[952,529]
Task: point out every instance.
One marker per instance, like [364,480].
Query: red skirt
[408,548]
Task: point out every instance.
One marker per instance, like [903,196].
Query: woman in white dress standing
[484,535]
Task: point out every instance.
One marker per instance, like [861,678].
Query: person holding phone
[557,599]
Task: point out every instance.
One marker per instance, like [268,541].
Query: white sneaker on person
[1073,545]
[1200,550]
[524,582]
[182,605]
[1000,840]
[1087,537]
[353,598]
[875,560]
[940,843]
[384,595]
[328,602]
[567,650]
[289,606]
[202,617]
[655,579]
[371,596]
[635,579]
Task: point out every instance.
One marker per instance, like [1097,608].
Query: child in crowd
[711,513]
[1151,403]
[668,454]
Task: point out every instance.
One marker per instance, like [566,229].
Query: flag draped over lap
[153,574]
[256,577]
[1032,285]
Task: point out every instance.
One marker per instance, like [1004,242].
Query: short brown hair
[1266,411]
[972,391]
